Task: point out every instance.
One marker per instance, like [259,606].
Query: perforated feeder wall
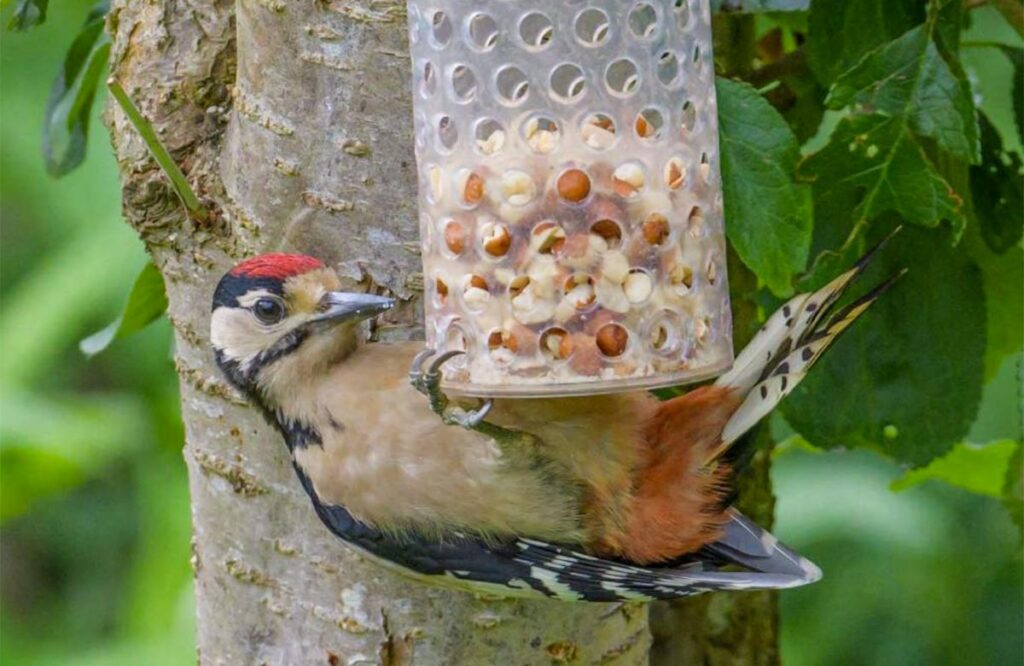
[570,197]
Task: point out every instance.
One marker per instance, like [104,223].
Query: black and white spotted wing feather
[536,569]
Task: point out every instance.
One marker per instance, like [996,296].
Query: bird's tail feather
[789,343]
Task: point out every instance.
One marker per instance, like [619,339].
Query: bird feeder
[570,197]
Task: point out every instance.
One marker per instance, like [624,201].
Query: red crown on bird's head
[276,265]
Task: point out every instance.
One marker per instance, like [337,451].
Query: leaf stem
[188,197]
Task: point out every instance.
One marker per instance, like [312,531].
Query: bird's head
[279,319]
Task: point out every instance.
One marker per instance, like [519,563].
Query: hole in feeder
[668,69]
[454,237]
[517,285]
[639,286]
[696,56]
[536,30]
[441,29]
[695,223]
[663,335]
[490,136]
[463,83]
[435,183]
[573,185]
[656,229]
[455,339]
[517,187]
[702,330]
[475,292]
[513,86]
[711,272]
[470,186]
[675,173]
[643,21]
[556,344]
[649,123]
[503,345]
[483,32]
[592,27]
[612,340]
[622,77]
[440,291]
[579,291]
[495,239]
[609,231]
[682,11]
[681,279]
[705,168]
[428,86]
[568,83]
[541,134]
[628,180]
[598,131]
[447,134]
[547,238]
[689,116]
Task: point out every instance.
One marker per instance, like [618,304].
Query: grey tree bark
[292,121]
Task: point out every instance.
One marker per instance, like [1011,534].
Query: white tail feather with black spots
[788,344]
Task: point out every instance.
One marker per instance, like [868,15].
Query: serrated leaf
[28,14]
[69,107]
[768,215]
[842,31]
[872,165]
[979,468]
[997,188]
[908,78]
[907,378]
[146,302]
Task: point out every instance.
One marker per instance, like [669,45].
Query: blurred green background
[94,537]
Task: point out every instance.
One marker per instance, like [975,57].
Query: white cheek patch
[240,337]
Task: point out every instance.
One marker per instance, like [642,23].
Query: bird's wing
[535,569]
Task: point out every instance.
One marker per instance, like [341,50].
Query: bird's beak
[340,306]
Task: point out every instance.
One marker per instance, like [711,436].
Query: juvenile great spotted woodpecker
[603,498]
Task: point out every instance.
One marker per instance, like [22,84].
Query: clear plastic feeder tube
[570,196]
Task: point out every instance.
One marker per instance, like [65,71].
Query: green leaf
[981,469]
[759,5]
[1016,56]
[841,32]
[28,14]
[146,302]
[907,378]
[1003,279]
[908,78]
[997,187]
[768,215]
[1013,488]
[69,107]
[872,165]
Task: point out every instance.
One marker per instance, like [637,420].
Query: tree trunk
[293,122]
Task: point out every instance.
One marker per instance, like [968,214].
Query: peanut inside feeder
[570,194]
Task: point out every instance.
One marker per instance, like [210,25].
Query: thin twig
[188,197]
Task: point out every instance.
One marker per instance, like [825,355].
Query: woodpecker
[601,498]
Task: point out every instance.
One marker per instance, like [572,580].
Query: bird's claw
[428,382]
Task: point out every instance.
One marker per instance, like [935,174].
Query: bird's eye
[268,310]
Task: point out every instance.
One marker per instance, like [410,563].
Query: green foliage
[997,187]
[907,378]
[981,469]
[1016,56]
[759,5]
[759,155]
[28,14]
[908,80]
[74,90]
[146,302]
[842,31]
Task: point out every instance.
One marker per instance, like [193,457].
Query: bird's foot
[428,382]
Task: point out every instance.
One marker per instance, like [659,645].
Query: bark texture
[293,122]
